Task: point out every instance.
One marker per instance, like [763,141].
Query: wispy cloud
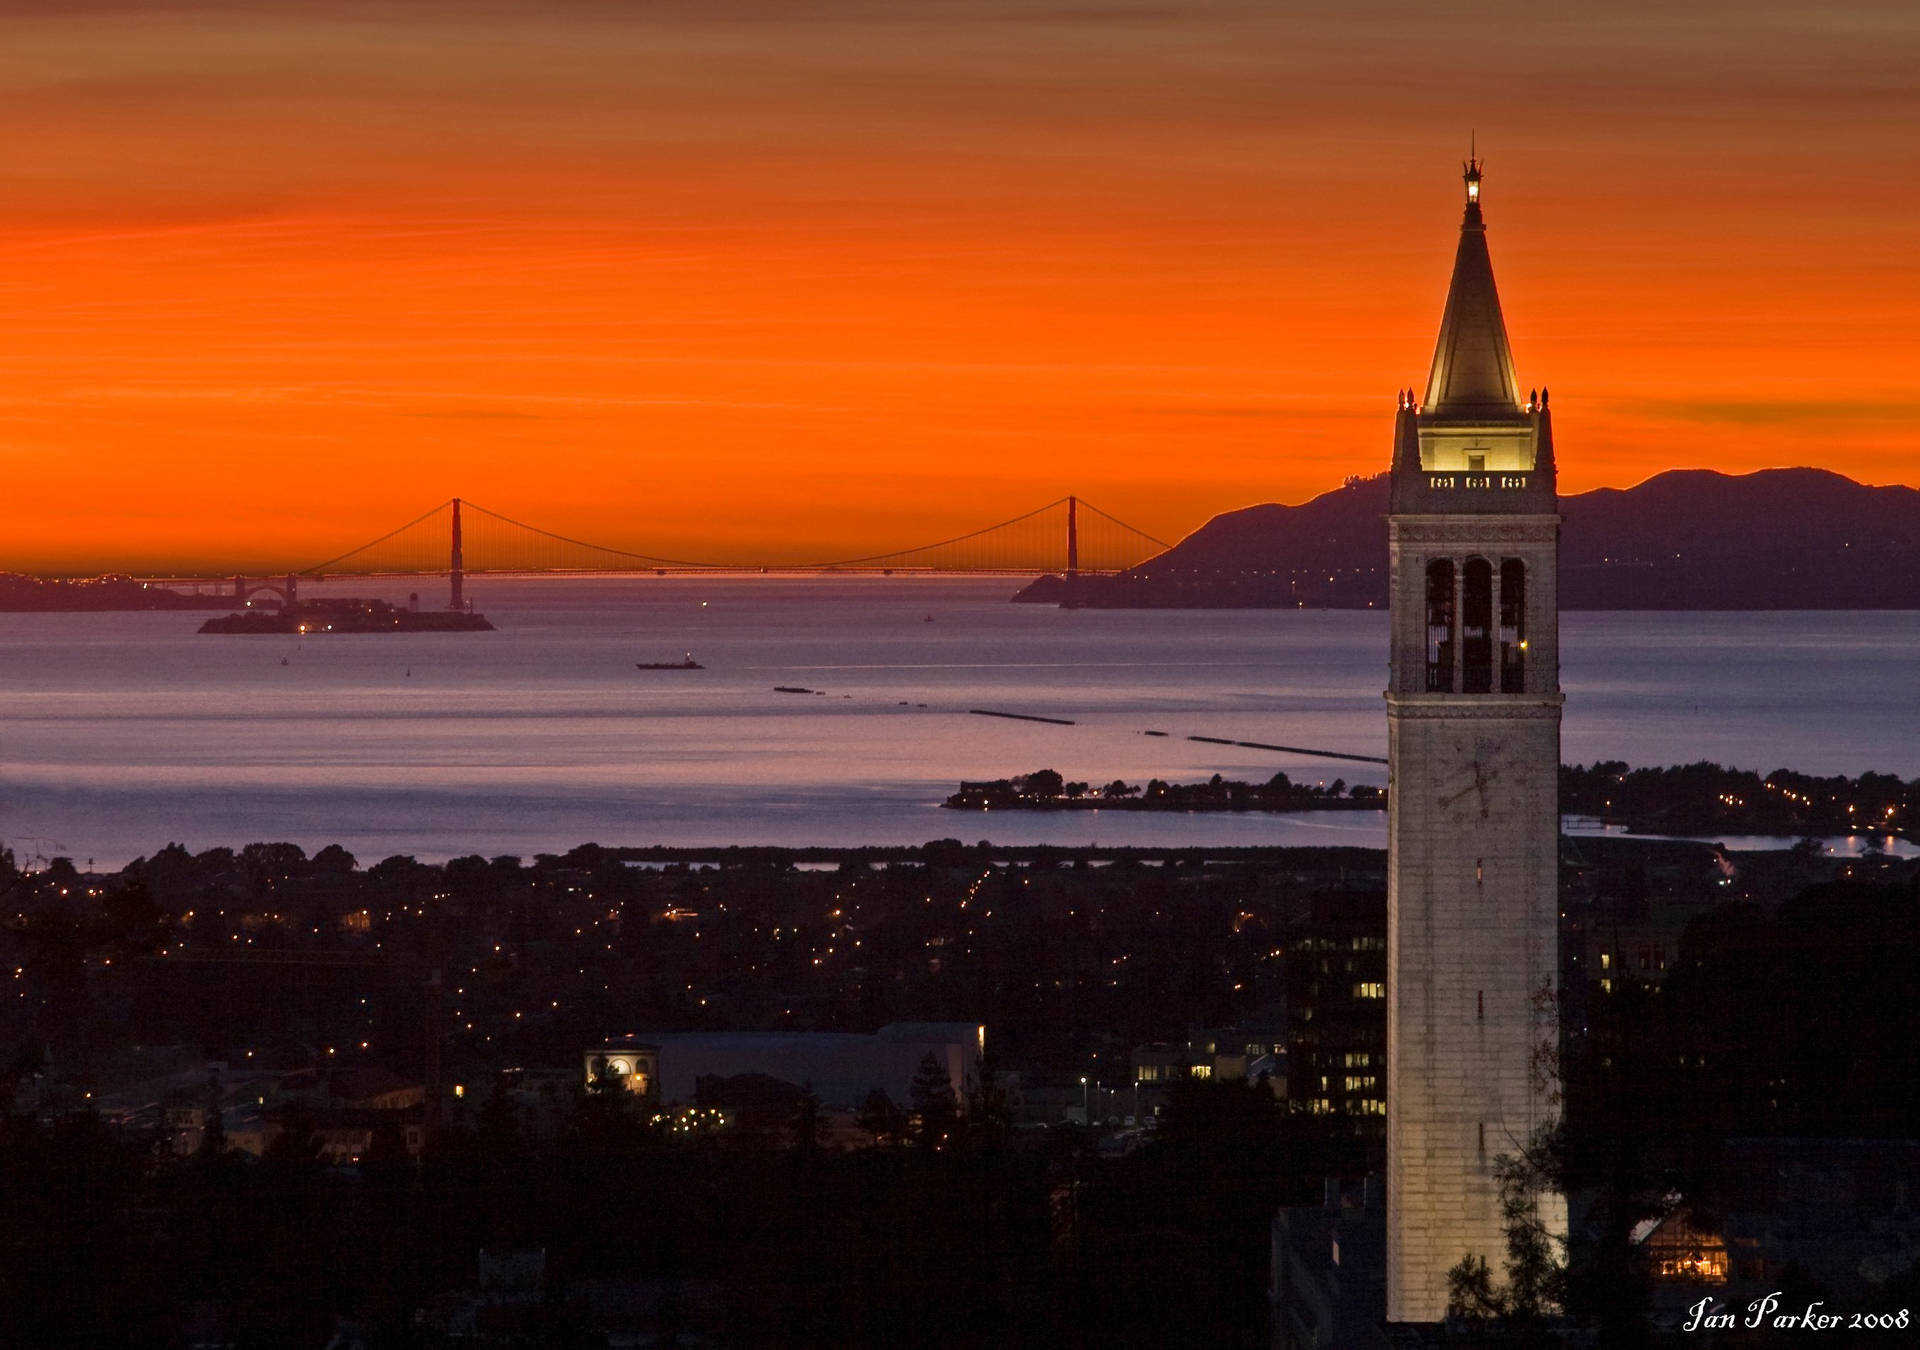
[1810,413]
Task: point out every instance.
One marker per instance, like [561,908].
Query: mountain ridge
[1791,538]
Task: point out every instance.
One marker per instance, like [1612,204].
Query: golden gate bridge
[460,538]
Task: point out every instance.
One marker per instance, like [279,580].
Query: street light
[1085,1110]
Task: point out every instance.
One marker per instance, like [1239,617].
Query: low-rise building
[1838,1215]
[840,1068]
[1328,1275]
[1254,1051]
[629,1063]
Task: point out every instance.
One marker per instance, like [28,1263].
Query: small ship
[688,664]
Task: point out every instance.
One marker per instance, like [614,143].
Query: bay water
[122,732]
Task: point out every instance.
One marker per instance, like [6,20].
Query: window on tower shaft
[1513,626]
[1440,626]
[1476,626]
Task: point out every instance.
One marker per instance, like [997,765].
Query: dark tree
[880,1118]
[933,1103]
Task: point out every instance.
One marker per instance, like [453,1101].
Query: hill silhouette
[1684,539]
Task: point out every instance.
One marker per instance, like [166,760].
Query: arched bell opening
[1440,626]
[1513,626]
[1476,626]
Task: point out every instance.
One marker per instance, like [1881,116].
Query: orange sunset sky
[768,279]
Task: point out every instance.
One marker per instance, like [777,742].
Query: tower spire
[1472,371]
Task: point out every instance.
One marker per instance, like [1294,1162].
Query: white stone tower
[1473,826]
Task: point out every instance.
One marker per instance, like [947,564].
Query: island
[1699,801]
[1046,790]
[348,615]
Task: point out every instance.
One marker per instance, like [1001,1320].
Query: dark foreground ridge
[1686,539]
[348,616]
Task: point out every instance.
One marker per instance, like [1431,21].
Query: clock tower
[1473,825]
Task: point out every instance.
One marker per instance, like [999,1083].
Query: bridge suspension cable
[877,558]
[621,553]
[371,544]
[1008,547]
[1062,536]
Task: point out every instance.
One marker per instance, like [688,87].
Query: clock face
[1467,787]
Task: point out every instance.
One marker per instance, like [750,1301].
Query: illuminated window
[1362,1083]
[1359,1059]
[1606,960]
[1704,1267]
[1681,1252]
[1370,989]
[1202,1071]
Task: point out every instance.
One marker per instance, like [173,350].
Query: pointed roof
[1472,365]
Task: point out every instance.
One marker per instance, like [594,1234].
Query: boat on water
[688,664]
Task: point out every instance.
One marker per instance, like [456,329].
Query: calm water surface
[124,731]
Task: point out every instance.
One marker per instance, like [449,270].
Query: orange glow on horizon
[745,285]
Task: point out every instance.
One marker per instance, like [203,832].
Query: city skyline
[701,278]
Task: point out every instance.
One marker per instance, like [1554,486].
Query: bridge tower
[1473,824]
[1073,537]
[456,566]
